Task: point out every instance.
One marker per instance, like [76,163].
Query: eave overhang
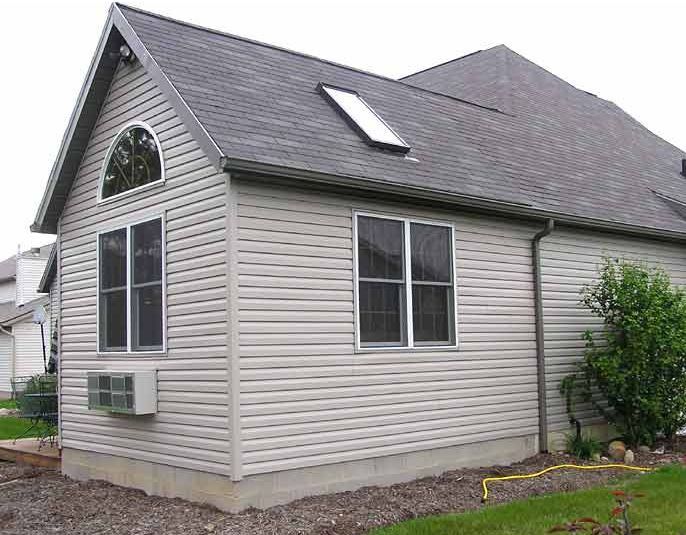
[116,32]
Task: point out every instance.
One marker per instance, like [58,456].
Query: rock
[660,450]
[617,449]
[4,412]
[604,459]
[596,457]
[644,449]
[629,457]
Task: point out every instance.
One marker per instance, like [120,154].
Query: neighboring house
[332,296]
[21,349]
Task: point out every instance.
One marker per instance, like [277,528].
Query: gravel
[41,501]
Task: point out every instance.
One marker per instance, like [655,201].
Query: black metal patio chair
[36,398]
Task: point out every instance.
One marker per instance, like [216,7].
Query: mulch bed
[41,501]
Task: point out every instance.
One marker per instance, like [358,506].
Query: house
[21,346]
[337,278]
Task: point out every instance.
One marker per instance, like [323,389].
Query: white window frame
[106,161]
[409,321]
[129,332]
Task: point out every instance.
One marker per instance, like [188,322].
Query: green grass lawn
[8,404]
[662,511]
[11,427]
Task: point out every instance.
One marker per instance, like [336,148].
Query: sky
[626,51]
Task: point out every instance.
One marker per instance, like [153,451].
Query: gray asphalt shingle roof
[10,313]
[8,268]
[260,103]
[491,126]
[555,148]
[577,151]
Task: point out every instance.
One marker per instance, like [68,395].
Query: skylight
[363,118]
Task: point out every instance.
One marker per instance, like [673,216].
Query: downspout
[13,357]
[540,341]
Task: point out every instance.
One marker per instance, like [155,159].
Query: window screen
[113,315]
[130,289]
[404,300]
[432,286]
[382,281]
[146,286]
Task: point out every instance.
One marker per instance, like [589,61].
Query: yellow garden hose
[487,480]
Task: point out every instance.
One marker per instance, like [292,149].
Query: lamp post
[39,316]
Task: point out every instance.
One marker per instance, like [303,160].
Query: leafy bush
[583,446]
[638,362]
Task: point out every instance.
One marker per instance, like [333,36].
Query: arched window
[134,160]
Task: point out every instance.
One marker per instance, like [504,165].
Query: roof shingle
[555,148]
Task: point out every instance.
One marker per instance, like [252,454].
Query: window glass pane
[362,115]
[113,321]
[147,251]
[382,307]
[134,162]
[380,248]
[113,259]
[431,251]
[432,313]
[147,317]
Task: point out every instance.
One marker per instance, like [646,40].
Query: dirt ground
[41,501]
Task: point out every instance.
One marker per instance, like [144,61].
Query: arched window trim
[110,150]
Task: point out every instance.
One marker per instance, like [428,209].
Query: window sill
[415,349]
[131,354]
[128,193]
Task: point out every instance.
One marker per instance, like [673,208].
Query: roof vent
[683,166]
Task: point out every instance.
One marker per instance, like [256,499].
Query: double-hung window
[131,288]
[405,283]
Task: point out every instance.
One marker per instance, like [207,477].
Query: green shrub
[638,361]
[583,446]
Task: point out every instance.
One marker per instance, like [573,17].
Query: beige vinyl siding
[308,398]
[191,427]
[570,259]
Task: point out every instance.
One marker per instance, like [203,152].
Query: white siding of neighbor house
[54,306]
[29,272]
[307,398]
[5,362]
[28,348]
[8,291]
[569,260]
[191,427]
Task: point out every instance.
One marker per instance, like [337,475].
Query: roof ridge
[305,55]
[450,61]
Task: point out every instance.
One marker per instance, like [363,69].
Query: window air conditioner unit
[123,392]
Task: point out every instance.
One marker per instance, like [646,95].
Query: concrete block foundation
[557,440]
[265,490]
